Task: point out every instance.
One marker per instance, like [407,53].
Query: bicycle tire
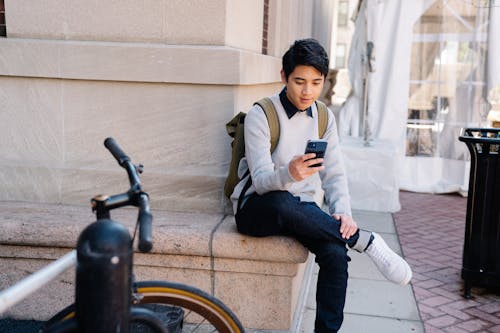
[210,314]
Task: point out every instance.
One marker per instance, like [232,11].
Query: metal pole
[15,294]
[103,278]
[367,69]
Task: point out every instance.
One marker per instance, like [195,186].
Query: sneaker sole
[408,276]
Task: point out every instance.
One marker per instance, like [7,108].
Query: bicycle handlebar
[116,151]
[125,162]
[136,196]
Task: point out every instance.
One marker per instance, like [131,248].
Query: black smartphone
[318,147]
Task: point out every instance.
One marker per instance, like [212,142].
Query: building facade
[160,76]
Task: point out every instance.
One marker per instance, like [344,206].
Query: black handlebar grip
[116,151]
[145,231]
[145,220]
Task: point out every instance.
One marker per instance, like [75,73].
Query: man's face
[304,86]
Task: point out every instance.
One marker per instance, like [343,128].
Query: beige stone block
[300,285]
[172,192]
[264,295]
[46,301]
[26,58]
[42,225]
[35,19]
[113,61]
[259,301]
[150,62]
[186,193]
[168,21]
[228,243]
[175,233]
[200,279]
[244,24]
[255,267]
[184,233]
[30,183]
[78,187]
[199,22]
[23,252]
[166,63]
[246,96]
[31,121]
[59,293]
[171,129]
[180,261]
[178,135]
[288,21]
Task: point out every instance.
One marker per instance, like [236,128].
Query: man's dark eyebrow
[302,79]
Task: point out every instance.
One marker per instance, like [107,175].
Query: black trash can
[481,256]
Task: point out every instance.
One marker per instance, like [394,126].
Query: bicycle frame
[15,294]
[104,257]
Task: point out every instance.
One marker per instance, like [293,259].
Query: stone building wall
[161,76]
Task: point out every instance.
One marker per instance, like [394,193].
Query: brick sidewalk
[431,232]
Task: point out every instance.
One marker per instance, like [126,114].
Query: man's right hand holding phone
[301,167]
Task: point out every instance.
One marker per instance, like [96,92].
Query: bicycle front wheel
[201,312]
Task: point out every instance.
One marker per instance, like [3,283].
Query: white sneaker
[392,266]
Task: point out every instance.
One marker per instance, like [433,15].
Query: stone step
[258,278]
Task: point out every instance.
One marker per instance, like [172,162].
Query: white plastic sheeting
[493,72]
[389,24]
[371,174]
[373,171]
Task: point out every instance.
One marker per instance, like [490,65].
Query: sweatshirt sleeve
[333,176]
[265,176]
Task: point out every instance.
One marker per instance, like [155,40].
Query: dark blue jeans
[281,213]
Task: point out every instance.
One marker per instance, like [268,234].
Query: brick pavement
[431,231]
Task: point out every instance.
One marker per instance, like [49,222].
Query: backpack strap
[272,118]
[322,118]
[274,128]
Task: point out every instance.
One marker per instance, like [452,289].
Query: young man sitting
[280,199]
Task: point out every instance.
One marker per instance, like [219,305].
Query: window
[343,15]
[340,55]
[265,28]
[3,28]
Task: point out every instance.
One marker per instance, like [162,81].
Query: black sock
[369,242]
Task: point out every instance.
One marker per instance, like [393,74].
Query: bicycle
[107,299]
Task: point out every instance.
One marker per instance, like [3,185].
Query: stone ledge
[259,278]
[175,233]
[135,62]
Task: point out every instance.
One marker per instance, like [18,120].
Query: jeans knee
[333,256]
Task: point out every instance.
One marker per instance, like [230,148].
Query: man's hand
[299,166]
[348,226]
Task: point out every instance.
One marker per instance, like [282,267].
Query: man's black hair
[307,52]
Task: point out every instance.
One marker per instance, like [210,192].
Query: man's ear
[283,76]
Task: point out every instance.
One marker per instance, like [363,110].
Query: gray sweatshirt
[270,171]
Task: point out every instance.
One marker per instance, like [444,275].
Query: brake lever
[139,168]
